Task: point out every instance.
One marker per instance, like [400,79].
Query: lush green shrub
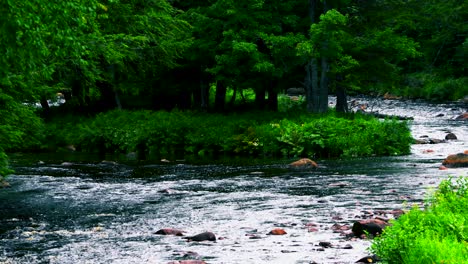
[438,234]
[20,129]
[433,87]
[287,103]
[253,133]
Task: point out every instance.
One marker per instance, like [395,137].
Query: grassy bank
[438,234]
[162,134]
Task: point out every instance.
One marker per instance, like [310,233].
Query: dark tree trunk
[220,97]
[260,98]
[109,98]
[341,100]
[312,87]
[233,98]
[311,80]
[200,95]
[185,99]
[273,96]
[45,107]
[204,95]
[117,100]
[323,94]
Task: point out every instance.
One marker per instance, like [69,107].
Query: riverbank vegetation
[257,134]
[204,56]
[437,234]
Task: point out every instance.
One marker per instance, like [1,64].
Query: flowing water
[83,211]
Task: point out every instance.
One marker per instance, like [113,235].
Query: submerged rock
[205,236]
[463,116]
[189,261]
[459,160]
[304,164]
[170,231]
[370,226]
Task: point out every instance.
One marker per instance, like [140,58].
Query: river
[71,208]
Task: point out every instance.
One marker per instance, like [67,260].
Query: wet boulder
[463,116]
[370,226]
[277,232]
[170,231]
[303,164]
[450,136]
[436,141]
[420,141]
[369,259]
[459,160]
[205,236]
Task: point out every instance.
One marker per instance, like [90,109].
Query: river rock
[456,161]
[170,231]
[388,96]
[325,244]
[420,141]
[450,136]
[304,164]
[277,232]
[436,141]
[463,116]
[4,184]
[369,259]
[371,226]
[205,236]
[188,261]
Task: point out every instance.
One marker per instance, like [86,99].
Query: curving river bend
[103,212]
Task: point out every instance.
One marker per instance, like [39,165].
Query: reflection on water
[87,212]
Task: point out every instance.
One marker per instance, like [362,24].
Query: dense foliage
[437,234]
[169,134]
[165,54]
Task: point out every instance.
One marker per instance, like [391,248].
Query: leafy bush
[435,88]
[255,133]
[438,234]
[287,103]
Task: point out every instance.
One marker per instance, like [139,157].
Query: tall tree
[246,44]
[138,41]
[36,37]
[354,49]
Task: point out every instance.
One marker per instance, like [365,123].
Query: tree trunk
[260,98]
[220,97]
[341,100]
[311,80]
[117,100]
[45,107]
[323,93]
[272,96]
[200,95]
[205,94]
[233,98]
